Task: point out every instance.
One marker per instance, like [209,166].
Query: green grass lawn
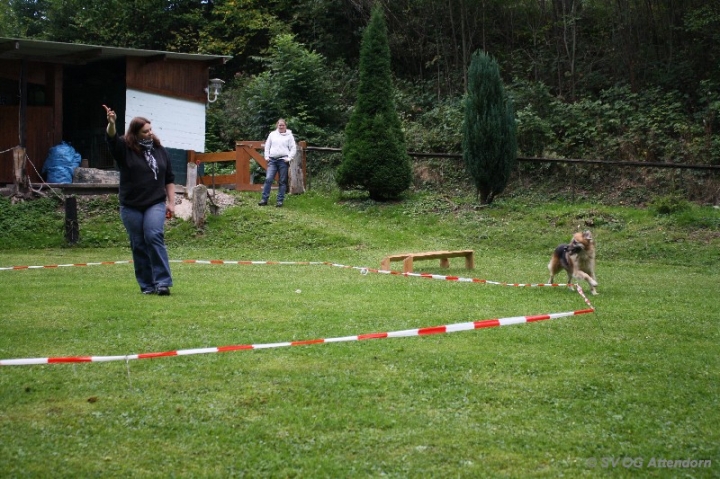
[639,378]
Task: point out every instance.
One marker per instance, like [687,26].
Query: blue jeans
[275,165]
[146,230]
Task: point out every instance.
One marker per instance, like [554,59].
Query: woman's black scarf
[148,146]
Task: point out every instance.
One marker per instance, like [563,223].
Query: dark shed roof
[80,54]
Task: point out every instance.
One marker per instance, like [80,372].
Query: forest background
[628,80]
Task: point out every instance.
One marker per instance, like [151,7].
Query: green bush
[670,204]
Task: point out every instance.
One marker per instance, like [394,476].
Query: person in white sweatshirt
[279,151]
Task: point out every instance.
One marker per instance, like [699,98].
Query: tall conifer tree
[374,155]
[489,130]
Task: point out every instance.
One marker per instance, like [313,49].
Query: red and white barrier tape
[301,263]
[396,273]
[314,263]
[451,328]
[52,266]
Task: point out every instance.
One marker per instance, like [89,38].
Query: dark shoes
[279,205]
[262,203]
[160,291]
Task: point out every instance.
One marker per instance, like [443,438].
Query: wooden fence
[244,152]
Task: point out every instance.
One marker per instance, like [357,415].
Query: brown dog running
[577,258]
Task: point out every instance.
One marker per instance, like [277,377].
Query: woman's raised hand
[111,115]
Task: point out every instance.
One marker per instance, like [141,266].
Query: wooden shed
[53,92]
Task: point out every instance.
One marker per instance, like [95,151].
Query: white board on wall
[178,123]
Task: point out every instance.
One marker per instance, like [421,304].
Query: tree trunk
[486,195]
[297,178]
[199,205]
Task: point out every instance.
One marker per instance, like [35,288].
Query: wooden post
[23,103]
[20,174]
[199,205]
[297,177]
[72,228]
[191,179]
[242,166]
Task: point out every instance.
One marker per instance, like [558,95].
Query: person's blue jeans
[146,230]
[275,165]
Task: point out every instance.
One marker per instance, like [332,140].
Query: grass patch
[639,378]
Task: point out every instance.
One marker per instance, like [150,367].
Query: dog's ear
[587,235]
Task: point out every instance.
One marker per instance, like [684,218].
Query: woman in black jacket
[147,197]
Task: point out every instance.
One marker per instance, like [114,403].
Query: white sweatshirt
[280,145]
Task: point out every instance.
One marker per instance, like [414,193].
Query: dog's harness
[564,250]
[563,256]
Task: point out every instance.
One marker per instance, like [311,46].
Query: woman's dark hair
[131,136]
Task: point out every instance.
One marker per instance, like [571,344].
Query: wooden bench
[443,256]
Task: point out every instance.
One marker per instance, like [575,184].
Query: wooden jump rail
[443,256]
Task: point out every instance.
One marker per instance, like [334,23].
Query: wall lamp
[213,88]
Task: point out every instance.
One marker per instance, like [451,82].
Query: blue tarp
[61,163]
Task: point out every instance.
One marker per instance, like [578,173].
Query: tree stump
[199,205]
[297,181]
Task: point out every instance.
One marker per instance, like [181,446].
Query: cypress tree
[489,129]
[374,154]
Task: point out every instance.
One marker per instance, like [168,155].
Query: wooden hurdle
[443,256]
